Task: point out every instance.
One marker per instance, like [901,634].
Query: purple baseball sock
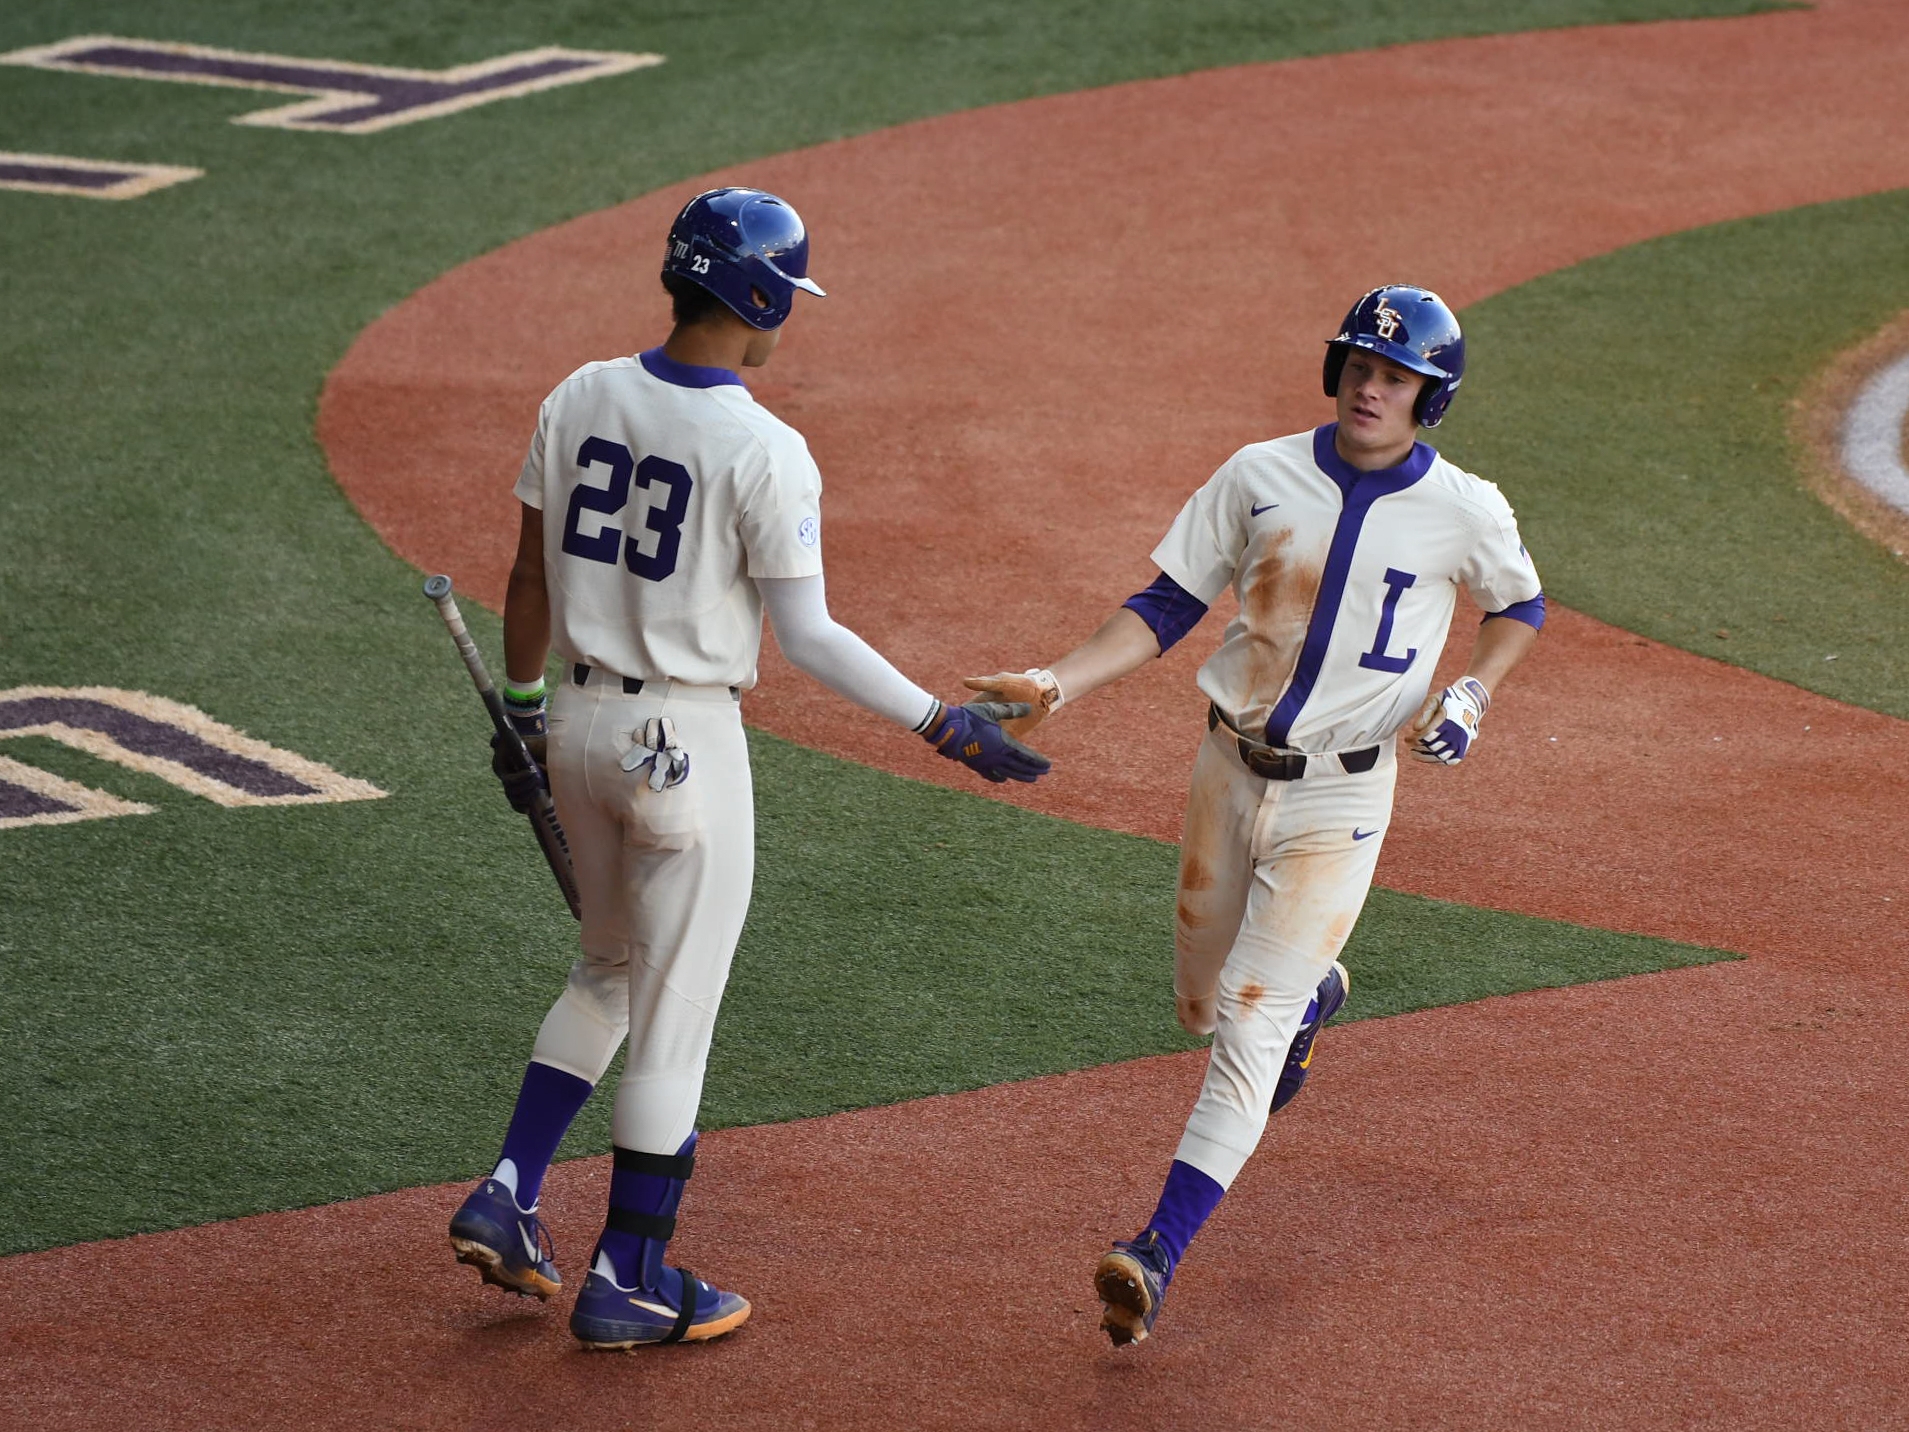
[1185,1203]
[645,1190]
[547,1102]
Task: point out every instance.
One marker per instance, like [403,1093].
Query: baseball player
[663,513]
[1346,547]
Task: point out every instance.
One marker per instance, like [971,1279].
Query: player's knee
[1247,1000]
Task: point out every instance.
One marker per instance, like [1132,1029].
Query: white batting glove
[1448,723]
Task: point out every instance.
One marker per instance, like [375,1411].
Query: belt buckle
[1272,765]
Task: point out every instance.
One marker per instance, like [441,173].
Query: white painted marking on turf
[310,115]
[1872,435]
[140,178]
[83,802]
[324,783]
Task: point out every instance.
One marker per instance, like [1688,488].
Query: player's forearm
[1500,645]
[527,606]
[835,656]
[1124,643]
[526,630]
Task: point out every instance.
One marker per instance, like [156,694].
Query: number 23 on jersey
[666,521]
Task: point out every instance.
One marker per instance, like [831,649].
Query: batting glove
[1036,688]
[972,735]
[521,786]
[1448,724]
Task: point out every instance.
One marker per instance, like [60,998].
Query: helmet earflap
[1413,327]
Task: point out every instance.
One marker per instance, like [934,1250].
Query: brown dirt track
[1664,1202]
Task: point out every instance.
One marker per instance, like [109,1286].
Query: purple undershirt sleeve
[1531,613]
[1170,609]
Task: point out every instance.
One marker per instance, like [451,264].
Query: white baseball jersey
[665,489]
[1346,583]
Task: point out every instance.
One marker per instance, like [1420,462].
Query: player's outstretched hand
[1447,725]
[1037,690]
[973,735]
[520,786]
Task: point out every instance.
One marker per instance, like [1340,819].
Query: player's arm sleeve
[1201,551]
[530,478]
[1531,613]
[1169,608]
[1498,572]
[798,610]
[781,517]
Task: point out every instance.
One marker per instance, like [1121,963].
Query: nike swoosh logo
[1267,508]
[530,1244]
[657,1308]
[1358,834]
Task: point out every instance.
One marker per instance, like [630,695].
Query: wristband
[920,728]
[1050,689]
[1477,689]
[525,695]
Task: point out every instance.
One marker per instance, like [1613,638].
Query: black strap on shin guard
[688,1314]
[659,1226]
[662,1165]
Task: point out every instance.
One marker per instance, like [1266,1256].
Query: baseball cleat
[1327,1001]
[1131,1281]
[507,1244]
[609,1316]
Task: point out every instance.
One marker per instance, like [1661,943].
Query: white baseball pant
[664,879]
[1273,875]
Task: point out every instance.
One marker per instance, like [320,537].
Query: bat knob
[437,588]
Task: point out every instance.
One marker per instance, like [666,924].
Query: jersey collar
[684,375]
[1378,482]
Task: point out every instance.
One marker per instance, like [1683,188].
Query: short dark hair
[690,302]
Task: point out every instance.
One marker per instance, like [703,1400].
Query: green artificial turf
[1636,410]
[255,1009]
[210,1012]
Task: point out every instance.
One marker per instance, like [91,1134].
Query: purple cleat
[1327,1002]
[1131,1281]
[507,1244]
[681,1308]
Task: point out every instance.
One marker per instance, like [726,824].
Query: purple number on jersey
[666,521]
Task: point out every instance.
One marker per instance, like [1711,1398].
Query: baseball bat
[543,815]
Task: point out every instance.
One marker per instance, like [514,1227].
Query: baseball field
[1610,1133]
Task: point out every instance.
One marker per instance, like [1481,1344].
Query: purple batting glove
[972,735]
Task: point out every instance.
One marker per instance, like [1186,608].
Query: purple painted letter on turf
[347,98]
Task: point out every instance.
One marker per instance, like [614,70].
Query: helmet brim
[1397,353]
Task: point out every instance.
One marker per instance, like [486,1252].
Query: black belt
[632,685]
[1273,765]
[580,673]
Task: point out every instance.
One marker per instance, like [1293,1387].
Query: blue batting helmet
[732,241]
[1412,327]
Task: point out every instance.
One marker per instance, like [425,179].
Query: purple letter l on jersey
[348,98]
[1376,660]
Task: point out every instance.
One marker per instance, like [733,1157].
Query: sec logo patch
[809,533]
